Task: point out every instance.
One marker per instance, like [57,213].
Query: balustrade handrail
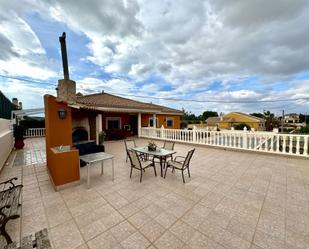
[34,132]
[272,142]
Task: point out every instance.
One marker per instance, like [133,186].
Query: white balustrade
[270,142]
[35,132]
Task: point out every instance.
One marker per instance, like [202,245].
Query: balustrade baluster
[297,145]
[305,151]
[291,145]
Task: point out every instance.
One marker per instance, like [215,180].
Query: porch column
[98,126]
[139,124]
[154,121]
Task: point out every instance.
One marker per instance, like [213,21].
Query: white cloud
[187,44]
[21,52]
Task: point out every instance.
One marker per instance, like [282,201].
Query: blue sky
[201,50]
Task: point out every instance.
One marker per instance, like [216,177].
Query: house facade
[233,119]
[71,118]
[119,117]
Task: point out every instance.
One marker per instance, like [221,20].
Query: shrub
[241,126]
[18,131]
[304,130]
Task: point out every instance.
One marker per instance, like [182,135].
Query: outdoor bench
[41,241]
[88,148]
[9,205]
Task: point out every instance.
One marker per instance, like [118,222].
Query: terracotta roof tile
[112,101]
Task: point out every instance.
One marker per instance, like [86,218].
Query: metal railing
[271,142]
[35,132]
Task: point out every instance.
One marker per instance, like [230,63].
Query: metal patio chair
[180,163]
[129,144]
[136,163]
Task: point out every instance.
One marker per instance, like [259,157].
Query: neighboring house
[291,118]
[234,118]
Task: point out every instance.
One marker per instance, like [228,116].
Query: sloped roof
[107,100]
[212,120]
[253,118]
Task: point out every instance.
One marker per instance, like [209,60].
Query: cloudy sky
[242,54]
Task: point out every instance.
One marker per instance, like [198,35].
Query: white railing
[288,144]
[35,132]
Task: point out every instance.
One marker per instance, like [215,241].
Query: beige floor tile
[168,240]
[66,236]
[211,230]
[112,219]
[182,230]
[153,210]
[272,224]
[84,246]
[198,241]
[129,210]
[33,223]
[232,241]
[193,219]
[242,230]
[135,241]
[57,216]
[152,230]
[166,219]
[122,231]
[267,241]
[103,241]
[93,229]
[139,219]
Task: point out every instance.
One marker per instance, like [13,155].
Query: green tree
[304,118]
[189,117]
[208,114]
[270,121]
[258,115]
[304,130]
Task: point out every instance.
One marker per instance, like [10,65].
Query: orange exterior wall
[63,167]
[161,120]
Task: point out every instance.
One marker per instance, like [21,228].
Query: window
[113,123]
[150,124]
[169,122]
[127,127]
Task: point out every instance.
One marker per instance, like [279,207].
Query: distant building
[17,105]
[233,119]
[6,107]
[291,118]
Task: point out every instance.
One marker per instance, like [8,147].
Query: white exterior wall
[6,141]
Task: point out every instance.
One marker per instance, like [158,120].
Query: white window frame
[151,118]
[127,127]
[113,119]
[170,119]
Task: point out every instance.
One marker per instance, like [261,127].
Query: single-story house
[120,117]
[72,120]
[234,118]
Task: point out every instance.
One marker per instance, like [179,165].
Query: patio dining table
[90,159]
[160,153]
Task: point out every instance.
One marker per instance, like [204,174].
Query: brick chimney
[66,89]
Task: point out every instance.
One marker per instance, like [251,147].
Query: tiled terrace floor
[233,200]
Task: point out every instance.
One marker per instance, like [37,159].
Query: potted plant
[18,133]
[152,146]
[101,137]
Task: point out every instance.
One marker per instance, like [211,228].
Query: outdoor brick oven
[80,129]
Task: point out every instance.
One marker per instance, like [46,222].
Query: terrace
[232,200]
